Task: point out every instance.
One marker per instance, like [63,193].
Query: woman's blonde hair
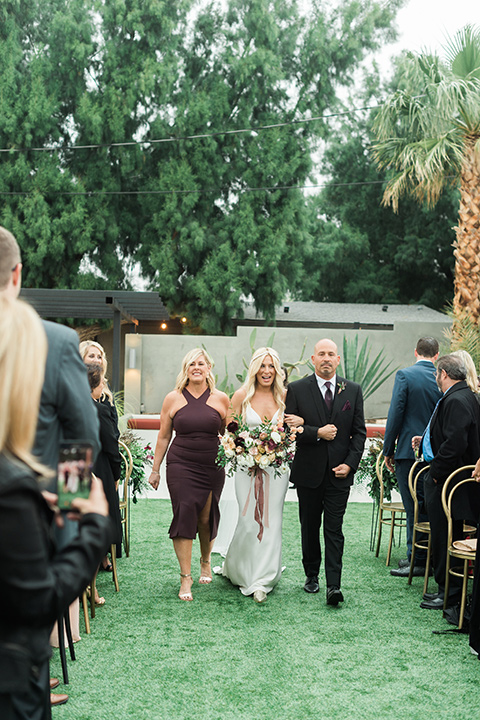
[84,345]
[190,357]
[472,378]
[250,384]
[23,353]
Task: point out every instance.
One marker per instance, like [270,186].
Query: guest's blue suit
[415,394]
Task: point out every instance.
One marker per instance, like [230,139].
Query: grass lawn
[222,656]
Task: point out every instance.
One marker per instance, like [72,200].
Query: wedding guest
[328,453]
[66,411]
[254,558]
[36,584]
[93,353]
[451,440]
[108,463]
[415,394]
[197,412]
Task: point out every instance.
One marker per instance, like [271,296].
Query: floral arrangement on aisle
[266,446]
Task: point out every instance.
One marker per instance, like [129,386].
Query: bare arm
[163,440]
[236,404]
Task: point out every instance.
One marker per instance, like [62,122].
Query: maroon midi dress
[192,473]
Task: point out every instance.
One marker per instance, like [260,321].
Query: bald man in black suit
[328,453]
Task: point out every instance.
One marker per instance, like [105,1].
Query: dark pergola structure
[112,305]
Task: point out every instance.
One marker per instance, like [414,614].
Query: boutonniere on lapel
[341,387]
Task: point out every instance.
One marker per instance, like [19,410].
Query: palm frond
[462,52]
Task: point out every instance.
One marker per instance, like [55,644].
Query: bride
[254,564]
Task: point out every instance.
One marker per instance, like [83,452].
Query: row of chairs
[393,514]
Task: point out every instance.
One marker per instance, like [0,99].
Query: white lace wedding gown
[252,564]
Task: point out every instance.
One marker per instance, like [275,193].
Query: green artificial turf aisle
[151,656]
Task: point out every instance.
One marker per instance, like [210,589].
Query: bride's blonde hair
[250,384]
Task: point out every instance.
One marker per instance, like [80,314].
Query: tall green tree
[208,218]
[361,251]
[429,134]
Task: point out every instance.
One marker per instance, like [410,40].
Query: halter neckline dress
[192,473]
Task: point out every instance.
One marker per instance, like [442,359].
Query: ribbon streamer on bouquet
[260,480]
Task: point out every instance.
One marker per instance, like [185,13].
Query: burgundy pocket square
[347,406]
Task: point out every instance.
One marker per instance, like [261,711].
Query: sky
[427,23]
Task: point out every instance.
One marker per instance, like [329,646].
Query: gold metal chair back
[466,557]
[419,527]
[124,499]
[393,508]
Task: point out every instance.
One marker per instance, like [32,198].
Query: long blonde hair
[472,378]
[191,356]
[250,384]
[84,345]
[23,353]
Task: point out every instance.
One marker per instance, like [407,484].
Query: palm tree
[428,135]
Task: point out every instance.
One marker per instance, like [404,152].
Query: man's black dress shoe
[334,595]
[311,584]
[418,571]
[433,604]
[437,602]
[404,562]
[431,596]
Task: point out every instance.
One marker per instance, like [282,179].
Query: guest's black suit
[319,491]
[455,439]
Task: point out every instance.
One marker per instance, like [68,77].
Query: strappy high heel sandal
[204,579]
[185,595]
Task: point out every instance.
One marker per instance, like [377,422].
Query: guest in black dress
[108,464]
[92,353]
[37,584]
[197,412]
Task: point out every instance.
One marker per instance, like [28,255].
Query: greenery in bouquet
[367,474]
[266,446]
[141,454]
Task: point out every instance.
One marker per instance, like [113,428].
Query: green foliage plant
[358,368]
[366,474]
[141,455]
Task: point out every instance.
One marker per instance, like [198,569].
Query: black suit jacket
[455,431]
[66,411]
[314,456]
[36,585]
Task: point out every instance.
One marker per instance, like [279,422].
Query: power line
[183,138]
[201,191]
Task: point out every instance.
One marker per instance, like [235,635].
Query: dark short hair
[95,375]
[453,366]
[427,347]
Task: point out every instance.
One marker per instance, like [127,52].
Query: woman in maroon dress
[197,412]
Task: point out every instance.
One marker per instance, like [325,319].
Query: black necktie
[329,396]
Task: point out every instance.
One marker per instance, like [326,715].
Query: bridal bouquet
[266,446]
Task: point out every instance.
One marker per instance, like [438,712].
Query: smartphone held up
[74,472]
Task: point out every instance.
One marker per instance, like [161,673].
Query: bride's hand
[293,420]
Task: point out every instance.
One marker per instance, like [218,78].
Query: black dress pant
[329,500]
[439,535]
[33,703]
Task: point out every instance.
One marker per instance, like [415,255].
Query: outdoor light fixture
[132,359]
[183,320]
[163,326]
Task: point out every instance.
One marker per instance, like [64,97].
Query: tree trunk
[466,301]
